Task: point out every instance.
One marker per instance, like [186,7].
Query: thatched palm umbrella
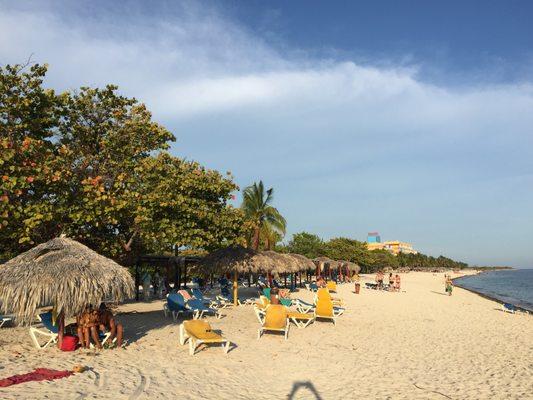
[304,264]
[63,273]
[238,259]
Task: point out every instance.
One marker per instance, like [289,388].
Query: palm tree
[257,207]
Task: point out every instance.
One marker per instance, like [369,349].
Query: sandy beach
[417,344]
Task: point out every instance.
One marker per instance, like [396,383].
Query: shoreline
[489,297]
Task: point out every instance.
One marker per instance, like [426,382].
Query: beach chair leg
[192,346]
[226,346]
[259,333]
[182,335]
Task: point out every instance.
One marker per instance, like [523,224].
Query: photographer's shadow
[305,386]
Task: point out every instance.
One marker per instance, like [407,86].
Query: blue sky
[414,118]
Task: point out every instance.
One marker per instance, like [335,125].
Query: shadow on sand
[306,386]
[137,324]
[442,294]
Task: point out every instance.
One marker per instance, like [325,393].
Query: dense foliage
[341,248]
[92,164]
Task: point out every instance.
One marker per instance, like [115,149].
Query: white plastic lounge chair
[48,331]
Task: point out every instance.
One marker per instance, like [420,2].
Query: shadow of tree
[306,386]
[138,324]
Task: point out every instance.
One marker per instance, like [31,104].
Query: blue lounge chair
[175,305]
[48,331]
[197,294]
[507,307]
[198,309]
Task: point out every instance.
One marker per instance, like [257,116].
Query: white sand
[418,344]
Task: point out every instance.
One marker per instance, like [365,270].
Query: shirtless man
[107,323]
[397,285]
[379,280]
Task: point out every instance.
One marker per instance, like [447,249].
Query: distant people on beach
[397,283]
[391,282]
[320,282]
[379,279]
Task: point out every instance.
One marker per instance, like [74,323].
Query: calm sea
[511,286]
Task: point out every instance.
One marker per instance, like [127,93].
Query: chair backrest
[175,302]
[186,295]
[323,293]
[266,292]
[324,308]
[197,327]
[313,286]
[46,319]
[331,286]
[265,301]
[197,293]
[195,304]
[276,316]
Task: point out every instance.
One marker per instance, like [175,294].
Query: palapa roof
[244,260]
[305,263]
[237,258]
[63,273]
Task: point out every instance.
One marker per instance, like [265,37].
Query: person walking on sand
[449,285]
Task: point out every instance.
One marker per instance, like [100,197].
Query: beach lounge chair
[324,293]
[325,310]
[301,320]
[175,305]
[331,286]
[275,320]
[4,319]
[303,306]
[49,331]
[197,293]
[198,332]
[198,309]
[506,307]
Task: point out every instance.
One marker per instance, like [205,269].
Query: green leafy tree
[29,115]
[346,249]
[257,208]
[92,164]
[306,244]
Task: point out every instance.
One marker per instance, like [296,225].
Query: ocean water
[511,286]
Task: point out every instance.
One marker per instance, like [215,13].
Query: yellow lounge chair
[275,320]
[199,331]
[324,309]
[324,293]
[301,320]
[331,286]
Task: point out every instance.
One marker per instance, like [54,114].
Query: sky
[413,119]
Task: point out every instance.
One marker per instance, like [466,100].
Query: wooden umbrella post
[236,288]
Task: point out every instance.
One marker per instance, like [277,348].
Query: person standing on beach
[397,283]
[391,282]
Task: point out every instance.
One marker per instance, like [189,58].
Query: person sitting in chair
[107,323]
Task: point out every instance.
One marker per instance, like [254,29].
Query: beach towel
[40,374]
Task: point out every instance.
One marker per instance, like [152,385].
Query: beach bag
[69,343]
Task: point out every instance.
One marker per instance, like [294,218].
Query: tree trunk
[255,242]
